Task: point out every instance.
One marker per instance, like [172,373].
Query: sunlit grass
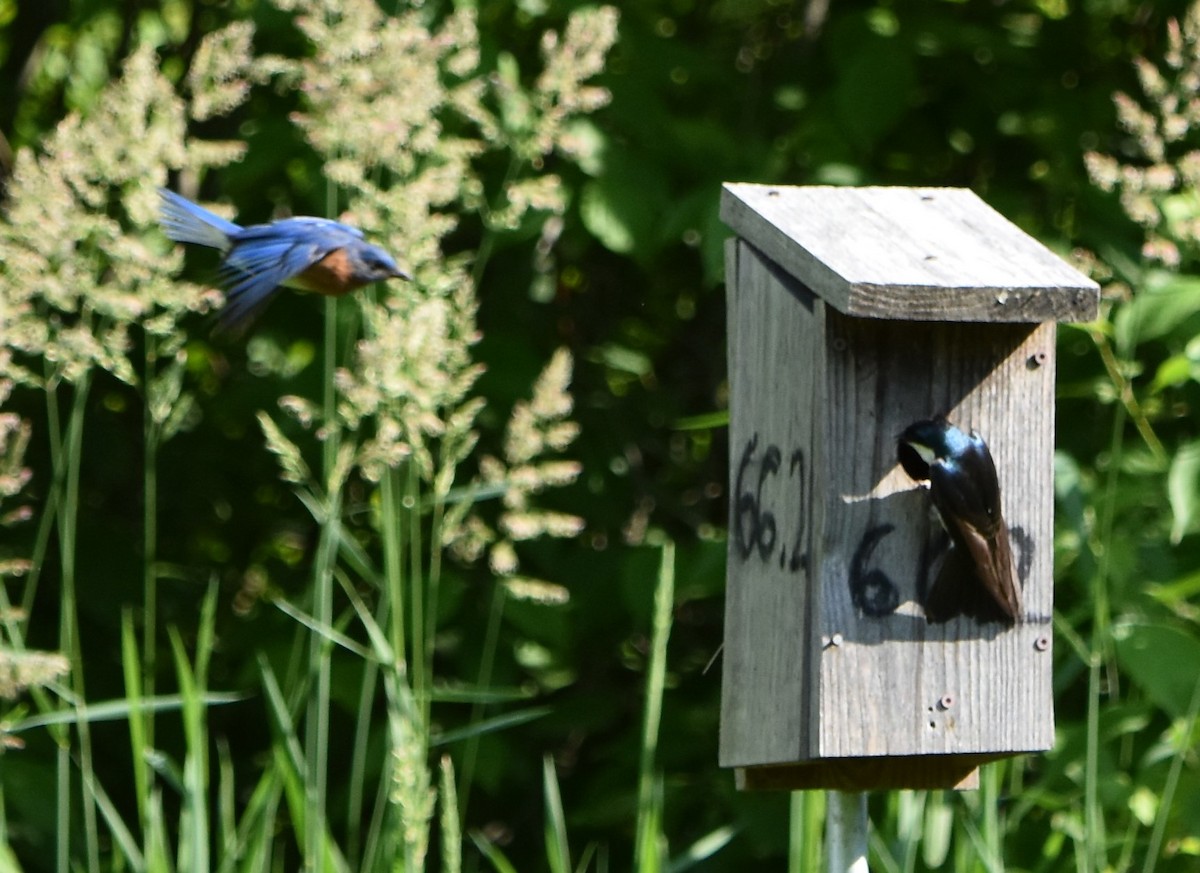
[396,416]
[92,296]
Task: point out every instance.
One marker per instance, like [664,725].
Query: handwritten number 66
[754,526]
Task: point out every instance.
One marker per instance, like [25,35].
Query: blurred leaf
[466,694]
[1177,591]
[8,861]
[1180,211]
[588,145]
[624,207]
[499,862]
[838,174]
[939,826]
[1163,660]
[1183,489]
[515,110]
[119,710]
[705,421]
[703,849]
[487,725]
[558,854]
[1144,805]
[876,82]
[626,360]
[1162,307]
[1174,371]
[602,214]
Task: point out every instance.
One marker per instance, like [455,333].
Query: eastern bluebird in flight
[309,254]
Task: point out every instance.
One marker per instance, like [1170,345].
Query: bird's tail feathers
[184,221]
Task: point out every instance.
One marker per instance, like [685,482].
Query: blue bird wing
[184,221]
[307,224]
[252,281]
[267,256]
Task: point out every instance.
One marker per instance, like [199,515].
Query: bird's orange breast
[332,276]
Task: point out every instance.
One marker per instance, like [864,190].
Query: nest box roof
[923,254]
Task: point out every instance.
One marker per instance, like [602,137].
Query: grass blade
[703,849]
[558,853]
[1168,793]
[451,826]
[649,823]
[489,725]
[495,857]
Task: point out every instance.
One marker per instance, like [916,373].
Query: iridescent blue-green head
[926,441]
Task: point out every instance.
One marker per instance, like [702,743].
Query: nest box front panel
[891,682]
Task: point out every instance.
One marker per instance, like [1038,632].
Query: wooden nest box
[853,313]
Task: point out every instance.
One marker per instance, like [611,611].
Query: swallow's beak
[401,273]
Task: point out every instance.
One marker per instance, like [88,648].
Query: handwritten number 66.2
[754,525]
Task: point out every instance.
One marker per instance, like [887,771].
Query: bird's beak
[401,273]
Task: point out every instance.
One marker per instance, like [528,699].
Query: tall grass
[395,416]
[358,771]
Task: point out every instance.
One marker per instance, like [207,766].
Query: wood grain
[827,651]
[774,352]
[897,685]
[918,254]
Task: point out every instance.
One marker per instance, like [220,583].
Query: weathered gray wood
[812,672]
[893,684]
[774,353]
[918,254]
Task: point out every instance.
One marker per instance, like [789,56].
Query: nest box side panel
[775,336]
[891,683]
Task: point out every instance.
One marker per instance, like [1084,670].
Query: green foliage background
[1004,98]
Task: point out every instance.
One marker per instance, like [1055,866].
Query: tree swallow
[978,577]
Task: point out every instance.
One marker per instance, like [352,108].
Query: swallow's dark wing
[953,587]
[967,496]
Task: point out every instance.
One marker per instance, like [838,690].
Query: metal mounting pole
[846,831]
